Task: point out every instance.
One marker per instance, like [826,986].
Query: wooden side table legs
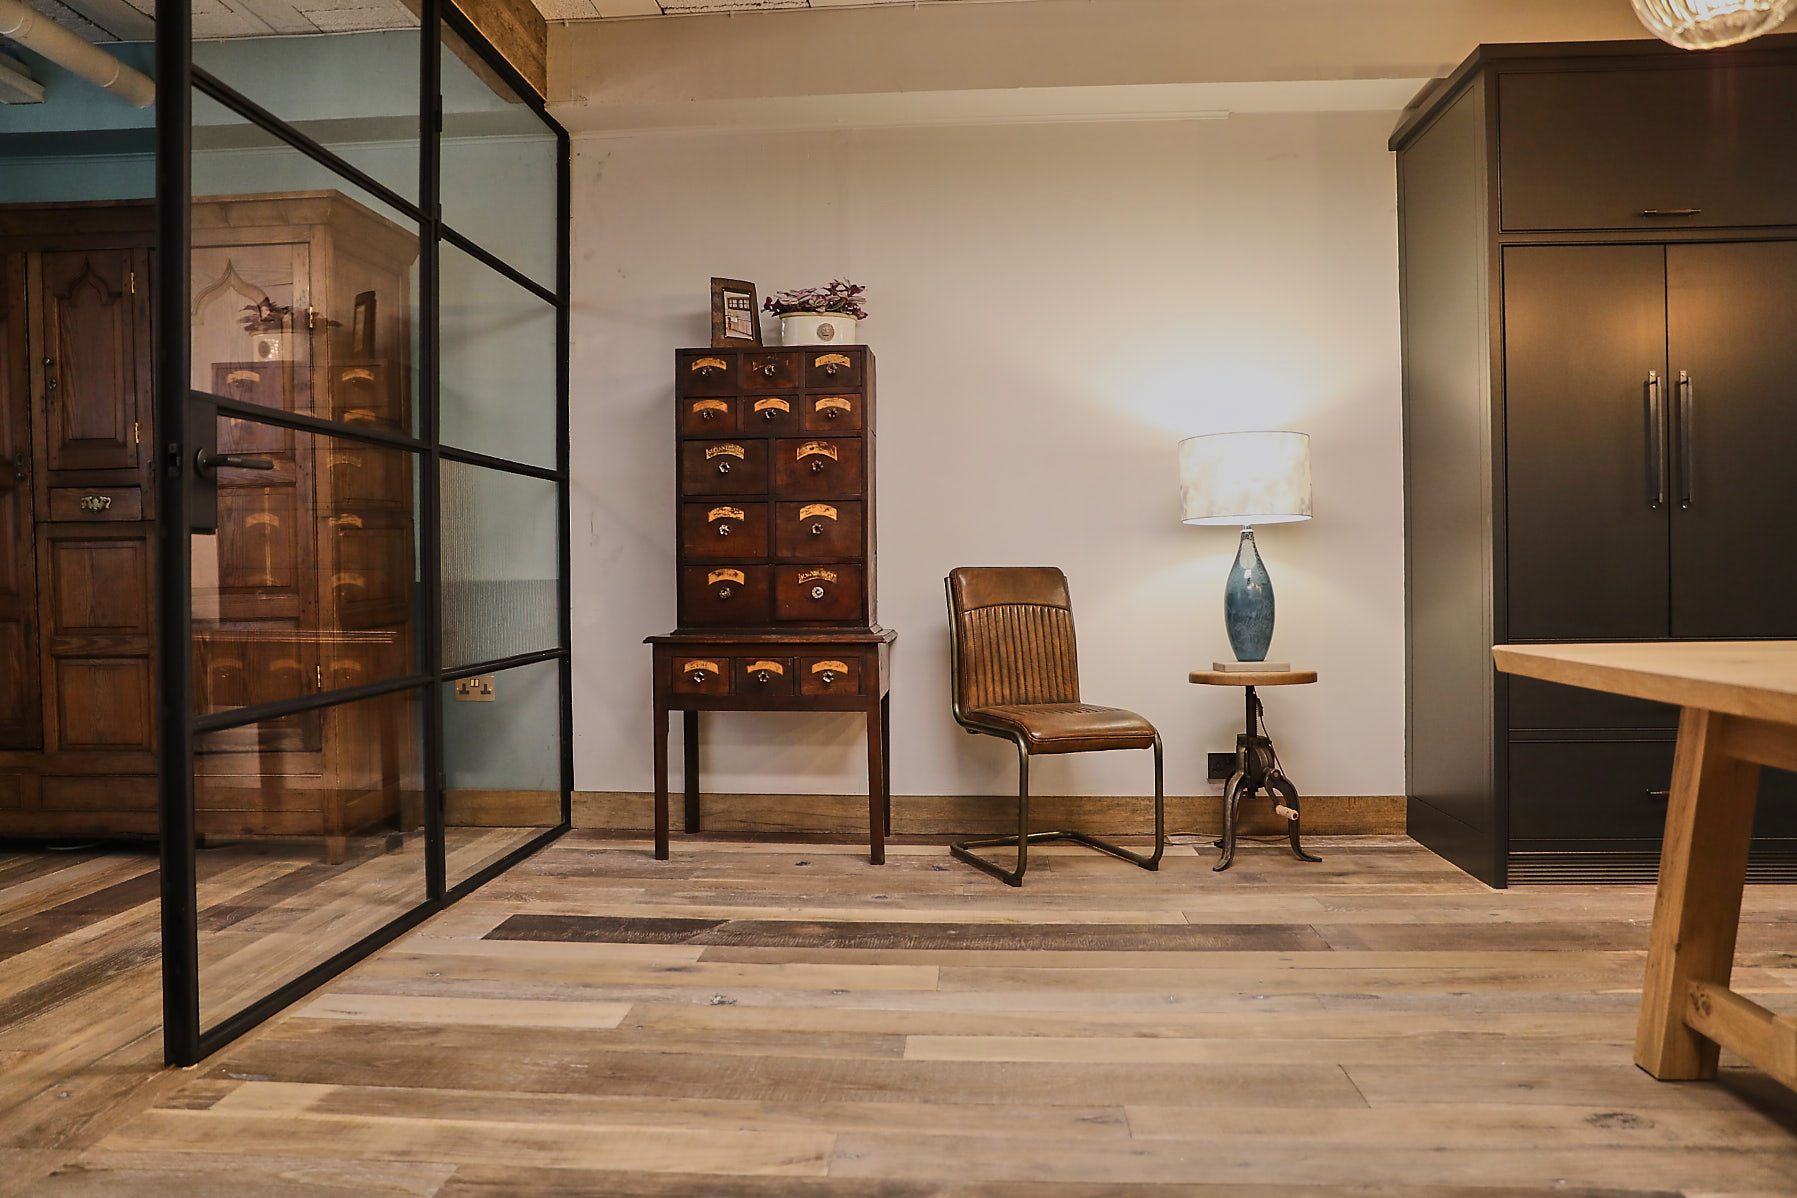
[1257,768]
[690,741]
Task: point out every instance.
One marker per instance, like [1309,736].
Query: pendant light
[1706,24]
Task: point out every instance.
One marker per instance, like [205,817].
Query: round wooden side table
[1257,766]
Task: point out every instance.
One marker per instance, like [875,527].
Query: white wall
[1053,307]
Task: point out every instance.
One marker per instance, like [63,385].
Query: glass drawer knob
[817,592]
[725,592]
[699,675]
[829,677]
[768,370]
[817,465]
[761,676]
[817,528]
[723,467]
[768,414]
[831,368]
[832,413]
[723,530]
[708,414]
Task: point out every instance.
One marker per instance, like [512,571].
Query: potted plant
[819,315]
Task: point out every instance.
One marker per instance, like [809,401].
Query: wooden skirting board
[928,815]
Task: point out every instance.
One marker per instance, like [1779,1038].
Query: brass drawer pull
[95,503]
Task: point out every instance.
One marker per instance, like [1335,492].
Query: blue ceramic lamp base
[1248,603]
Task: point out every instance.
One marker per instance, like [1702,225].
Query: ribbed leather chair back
[1013,637]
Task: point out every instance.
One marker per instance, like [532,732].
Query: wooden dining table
[1738,712]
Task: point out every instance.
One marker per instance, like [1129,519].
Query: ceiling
[586,10]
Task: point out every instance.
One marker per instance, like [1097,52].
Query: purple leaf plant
[839,296]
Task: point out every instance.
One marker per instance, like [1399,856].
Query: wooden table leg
[1697,906]
[661,780]
[876,787]
[886,756]
[689,729]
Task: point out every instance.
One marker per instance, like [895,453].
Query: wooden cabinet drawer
[833,368]
[1589,790]
[763,675]
[699,674]
[723,467]
[1663,148]
[99,793]
[830,676]
[699,373]
[96,503]
[817,530]
[709,417]
[833,413]
[826,466]
[724,530]
[817,592]
[775,371]
[770,414]
[727,596]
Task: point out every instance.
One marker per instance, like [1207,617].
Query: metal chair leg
[1283,785]
[1024,837]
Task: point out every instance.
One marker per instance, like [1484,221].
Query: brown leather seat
[1016,675]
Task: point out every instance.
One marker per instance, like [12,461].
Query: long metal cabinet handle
[1656,444]
[1687,449]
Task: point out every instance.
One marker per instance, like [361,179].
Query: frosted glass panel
[500,564]
[498,381]
[502,763]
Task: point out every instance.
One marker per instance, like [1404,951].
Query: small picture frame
[735,314]
[361,329]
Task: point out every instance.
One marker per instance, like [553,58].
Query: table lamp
[1246,479]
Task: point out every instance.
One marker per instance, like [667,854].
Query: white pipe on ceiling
[72,52]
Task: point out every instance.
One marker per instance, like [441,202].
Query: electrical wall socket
[478,689]
[1221,765]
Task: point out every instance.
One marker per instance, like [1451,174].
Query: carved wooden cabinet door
[20,726]
[95,371]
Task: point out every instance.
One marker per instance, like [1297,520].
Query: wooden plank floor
[766,1019]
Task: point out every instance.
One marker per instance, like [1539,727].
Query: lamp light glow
[1706,24]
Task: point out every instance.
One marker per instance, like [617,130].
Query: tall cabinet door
[95,368]
[1732,321]
[20,708]
[1584,329]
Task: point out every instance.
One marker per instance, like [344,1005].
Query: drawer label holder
[715,576]
[834,403]
[771,667]
[700,667]
[711,405]
[836,667]
[840,361]
[724,513]
[707,365]
[816,576]
[772,405]
[817,509]
[723,451]
[816,449]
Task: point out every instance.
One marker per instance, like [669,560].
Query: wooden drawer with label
[723,467]
[835,368]
[729,596]
[708,417]
[96,503]
[770,414]
[776,370]
[818,530]
[830,675]
[810,593]
[705,372]
[763,675]
[819,466]
[719,531]
[698,675]
[833,413]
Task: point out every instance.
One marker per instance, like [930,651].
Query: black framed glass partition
[362,411]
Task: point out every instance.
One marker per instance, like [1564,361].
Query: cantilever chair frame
[962,850]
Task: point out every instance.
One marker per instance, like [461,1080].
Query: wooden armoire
[1598,256]
[300,302]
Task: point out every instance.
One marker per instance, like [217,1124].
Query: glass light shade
[1245,478]
[1706,24]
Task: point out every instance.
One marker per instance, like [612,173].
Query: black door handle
[206,463]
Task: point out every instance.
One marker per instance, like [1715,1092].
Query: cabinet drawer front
[724,531]
[833,368]
[1537,704]
[1648,148]
[723,467]
[730,596]
[825,466]
[833,413]
[778,371]
[770,414]
[817,592]
[830,676]
[708,417]
[764,675]
[817,530]
[699,674]
[96,503]
[99,793]
[701,373]
[1589,790]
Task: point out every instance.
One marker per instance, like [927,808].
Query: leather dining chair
[1016,675]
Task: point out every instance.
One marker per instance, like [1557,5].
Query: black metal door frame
[185,1040]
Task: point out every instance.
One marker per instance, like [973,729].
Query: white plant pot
[817,328]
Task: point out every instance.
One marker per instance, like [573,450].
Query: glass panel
[78,142]
[307,849]
[354,92]
[499,165]
[502,762]
[500,564]
[311,580]
[497,387]
[303,285]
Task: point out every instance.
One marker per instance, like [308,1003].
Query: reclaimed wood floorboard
[768,1020]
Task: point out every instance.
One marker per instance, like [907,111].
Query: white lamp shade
[1706,24]
[1245,478]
